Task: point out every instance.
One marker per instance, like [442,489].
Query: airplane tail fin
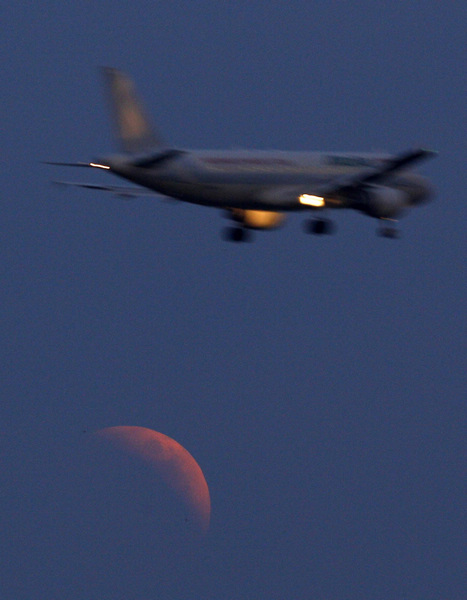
[133,129]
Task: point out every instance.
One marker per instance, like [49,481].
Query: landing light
[98,166]
[308,200]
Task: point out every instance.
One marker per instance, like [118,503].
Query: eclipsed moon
[175,465]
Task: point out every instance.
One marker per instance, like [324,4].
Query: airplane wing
[352,184]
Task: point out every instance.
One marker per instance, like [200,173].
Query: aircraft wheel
[389,232]
[319,226]
[235,234]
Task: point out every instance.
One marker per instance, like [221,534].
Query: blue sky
[319,383]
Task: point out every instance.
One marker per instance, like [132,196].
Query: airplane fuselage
[255,188]
[263,180]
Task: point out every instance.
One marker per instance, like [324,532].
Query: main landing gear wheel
[389,232]
[319,226]
[236,234]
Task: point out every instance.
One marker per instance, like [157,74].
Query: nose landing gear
[389,232]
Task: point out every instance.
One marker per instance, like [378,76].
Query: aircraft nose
[424,193]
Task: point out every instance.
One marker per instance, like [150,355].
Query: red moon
[178,469]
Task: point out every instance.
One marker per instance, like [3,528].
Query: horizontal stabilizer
[68,164]
[118,190]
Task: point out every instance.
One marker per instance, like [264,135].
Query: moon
[172,462]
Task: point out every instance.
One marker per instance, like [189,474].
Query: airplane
[255,189]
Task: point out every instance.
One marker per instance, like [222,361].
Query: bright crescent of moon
[176,466]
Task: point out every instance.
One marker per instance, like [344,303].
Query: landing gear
[236,234]
[319,226]
[389,232]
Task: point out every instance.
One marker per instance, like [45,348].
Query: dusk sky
[319,382]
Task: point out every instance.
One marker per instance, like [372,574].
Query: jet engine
[382,202]
[257,219]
